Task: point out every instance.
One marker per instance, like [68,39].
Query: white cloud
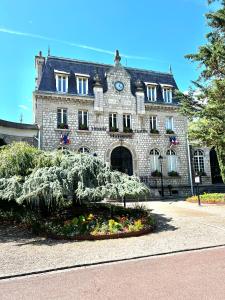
[42,37]
[24,107]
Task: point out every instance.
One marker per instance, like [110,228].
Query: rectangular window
[127,121]
[172,163]
[153,123]
[61,83]
[62,118]
[169,123]
[151,93]
[113,121]
[83,120]
[167,95]
[82,85]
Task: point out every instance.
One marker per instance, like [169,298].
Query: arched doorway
[215,169]
[121,160]
[2,142]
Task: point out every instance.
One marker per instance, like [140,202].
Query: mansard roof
[84,67]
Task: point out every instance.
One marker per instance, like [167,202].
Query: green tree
[53,179]
[207,110]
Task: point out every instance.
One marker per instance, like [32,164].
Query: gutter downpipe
[189,165]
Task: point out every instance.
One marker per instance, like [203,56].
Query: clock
[119,86]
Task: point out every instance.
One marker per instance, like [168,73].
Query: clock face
[119,86]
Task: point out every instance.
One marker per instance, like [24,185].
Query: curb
[106,262]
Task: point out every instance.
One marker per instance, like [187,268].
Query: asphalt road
[187,275]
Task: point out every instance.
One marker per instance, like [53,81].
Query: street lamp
[162,188]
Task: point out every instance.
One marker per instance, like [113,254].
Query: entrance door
[215,169]
[121,160]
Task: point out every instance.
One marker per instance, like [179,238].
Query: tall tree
[207,110]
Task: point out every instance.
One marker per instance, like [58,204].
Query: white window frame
[172,122]
[82,117]
[126,117]
[82,78]
[199,161]
[62,113]
[62,75]
[154,155]
[171,160]
[152,122]
[167,94]
[151,93]
[114,125]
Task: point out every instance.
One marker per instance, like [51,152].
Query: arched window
[154,155]
[171,160]
[83,150]
[199,161]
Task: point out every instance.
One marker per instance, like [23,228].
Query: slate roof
[83,67]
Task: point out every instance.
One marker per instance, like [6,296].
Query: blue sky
[151,34]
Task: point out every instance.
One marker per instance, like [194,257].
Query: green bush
[155,131]
[173,174]
[156,173]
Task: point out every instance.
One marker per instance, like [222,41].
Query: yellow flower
[90,217]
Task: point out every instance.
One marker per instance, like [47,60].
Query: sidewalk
[181,226]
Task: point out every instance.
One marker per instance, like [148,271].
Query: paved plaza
[181,226]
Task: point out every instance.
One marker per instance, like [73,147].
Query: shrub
[208,198]
[127,130]
[156,173]
[63,126]
[83,127]
[173,174]
[113,129]
[169,131]
[155,131]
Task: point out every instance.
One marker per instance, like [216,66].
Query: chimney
[39,66]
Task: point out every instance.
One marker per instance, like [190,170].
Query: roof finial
[21,118]
[49,51]
[117,58]
[170,69]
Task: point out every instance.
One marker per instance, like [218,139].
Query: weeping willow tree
[57,178]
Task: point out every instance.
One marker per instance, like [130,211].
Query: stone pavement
[181,226]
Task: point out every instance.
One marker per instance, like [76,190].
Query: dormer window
[61,81]
[167,93]
[151,92]
[82,83]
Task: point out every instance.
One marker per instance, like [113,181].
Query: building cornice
[58,96]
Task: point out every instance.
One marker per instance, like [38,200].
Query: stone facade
[98,138]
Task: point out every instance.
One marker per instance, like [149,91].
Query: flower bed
[96,222]
[215,198]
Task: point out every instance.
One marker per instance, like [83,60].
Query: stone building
[127,117]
